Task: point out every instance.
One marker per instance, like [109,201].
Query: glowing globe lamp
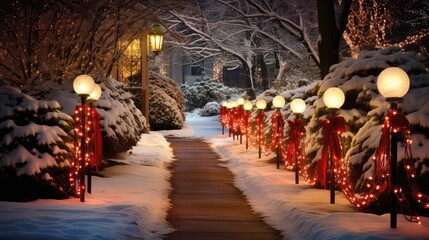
[248,105]
[334,98]
[95,94]
[234,104]
[298,106]
[83,85]
[261,104]
[240,101]
[224,103]
[279,101]
[229,105]
[393,82]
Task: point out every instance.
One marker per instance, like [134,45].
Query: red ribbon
[296,132]
[97,139]
[331,128]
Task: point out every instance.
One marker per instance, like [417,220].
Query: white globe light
[279,101]
[393,82]
[234,104]
[240,101]
[248,105]
[229,105]
[224,103]
[95,94]
[261,104]
[298,105]
[83,85]
[334,97]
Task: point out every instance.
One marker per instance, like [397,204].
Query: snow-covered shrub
[121,122]
[35,147]
[364,109]
[205,90]
[166,104]
[210,109]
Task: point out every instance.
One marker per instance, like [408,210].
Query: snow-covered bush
[205,90]
[210,109]
[121,122]
[35,147]
[166,104]
[364,110]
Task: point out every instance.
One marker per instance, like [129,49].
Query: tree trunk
[331,26]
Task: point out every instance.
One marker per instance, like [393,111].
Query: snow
[131,201]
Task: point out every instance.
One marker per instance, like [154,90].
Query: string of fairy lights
[237,119]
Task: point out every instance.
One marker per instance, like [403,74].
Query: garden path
[205,203]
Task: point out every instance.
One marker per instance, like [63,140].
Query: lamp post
[240,103]
[248,105]
[393,83]
[153,38]
[298,107]
[223,106]
[261,104]
[333,98]
[83,85]
[278,102]
[234,106]
[93,97]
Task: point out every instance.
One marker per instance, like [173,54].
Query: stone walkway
[206,204]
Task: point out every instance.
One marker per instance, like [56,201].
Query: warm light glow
[334,97]
[240,101]
[261,104]
[279,101]
[229,105]
[156,36]
[248,105]
[95,94]
[224,103]
[234,104]
[393,82]
[297,105]
[83,84]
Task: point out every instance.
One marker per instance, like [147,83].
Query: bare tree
[49,40]
[253,32]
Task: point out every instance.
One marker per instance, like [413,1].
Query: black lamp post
[333,98]
[83,85]
[393,83]
[298,107]
[278,103]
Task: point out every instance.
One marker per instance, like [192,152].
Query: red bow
[331,128]
[296,132]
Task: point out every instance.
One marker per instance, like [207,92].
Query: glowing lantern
[95,94]
[261,104]
[224,103]
[248,105]
[156,37]
[297,106]
[234,104]
[334,98]
[240,101]
[83,85]
[279,101]
[393,82]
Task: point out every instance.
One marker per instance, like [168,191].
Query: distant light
[261,104]
[83,85]
[224,103]
[234,103]
[334,97]
[248,105]
[240,101]
[229,104]
[393,82]
[279,101]
[297,105]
